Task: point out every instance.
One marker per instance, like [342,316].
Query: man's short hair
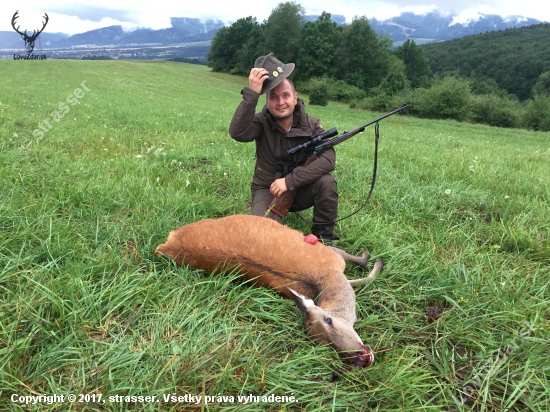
[285,80]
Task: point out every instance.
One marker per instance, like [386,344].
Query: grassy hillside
[459,214]
[514,58]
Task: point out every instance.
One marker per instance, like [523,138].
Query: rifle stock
[280,205]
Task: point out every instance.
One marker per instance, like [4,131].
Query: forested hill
[514,58]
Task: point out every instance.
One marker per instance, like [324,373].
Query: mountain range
[182,30]
[431,27]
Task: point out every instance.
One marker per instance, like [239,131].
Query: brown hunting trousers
[321,194]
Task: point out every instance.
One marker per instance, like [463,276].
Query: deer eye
[328,321]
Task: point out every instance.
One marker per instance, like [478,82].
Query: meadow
[459,319]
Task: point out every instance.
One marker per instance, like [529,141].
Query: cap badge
[279,70]
[275,74]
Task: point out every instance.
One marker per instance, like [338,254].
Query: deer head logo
[29,40]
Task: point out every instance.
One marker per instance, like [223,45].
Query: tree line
[352,63]
[352,53]
[513,58]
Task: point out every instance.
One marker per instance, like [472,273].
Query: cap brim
[273,82]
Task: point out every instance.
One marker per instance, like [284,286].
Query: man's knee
[326,185]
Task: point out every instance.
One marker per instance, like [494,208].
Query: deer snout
[361,358]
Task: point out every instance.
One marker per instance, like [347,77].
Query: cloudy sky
[77,16]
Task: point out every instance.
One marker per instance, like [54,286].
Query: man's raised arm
[243,126]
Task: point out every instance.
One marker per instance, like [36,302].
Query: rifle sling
[373,182]
[272,209]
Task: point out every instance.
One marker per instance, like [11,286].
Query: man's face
[281,100]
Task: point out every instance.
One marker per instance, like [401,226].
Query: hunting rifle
[281,205]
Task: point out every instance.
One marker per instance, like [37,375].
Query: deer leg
[378,266]
[358,260]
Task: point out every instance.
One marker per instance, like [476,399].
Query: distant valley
[190,38]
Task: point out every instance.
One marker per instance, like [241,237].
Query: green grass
[459,214]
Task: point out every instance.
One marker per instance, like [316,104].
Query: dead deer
[275,256]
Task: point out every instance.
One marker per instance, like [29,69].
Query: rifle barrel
[343,137]
[346,135]
[402,107]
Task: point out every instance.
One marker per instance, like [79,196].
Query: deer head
[29,40]
[327,328]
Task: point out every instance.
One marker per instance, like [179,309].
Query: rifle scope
[313,140]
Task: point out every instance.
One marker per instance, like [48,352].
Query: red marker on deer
[311,239]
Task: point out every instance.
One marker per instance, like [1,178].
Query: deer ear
[305,304]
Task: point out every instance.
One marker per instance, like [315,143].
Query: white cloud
[83,15]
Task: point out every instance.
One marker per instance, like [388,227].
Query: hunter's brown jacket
[272,143]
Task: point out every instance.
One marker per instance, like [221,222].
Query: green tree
[482,85]
[396,83]
[220,51]
[449,98]
[363,57]
[282,30]
[542,86]
[228,42]
[249,52]
[496,110]
[319,90]
[537,113]
[417,64]
[317,46]
[514,58]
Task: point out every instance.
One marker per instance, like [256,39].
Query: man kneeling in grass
[282,124]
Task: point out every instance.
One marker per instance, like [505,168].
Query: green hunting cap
[277,70]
